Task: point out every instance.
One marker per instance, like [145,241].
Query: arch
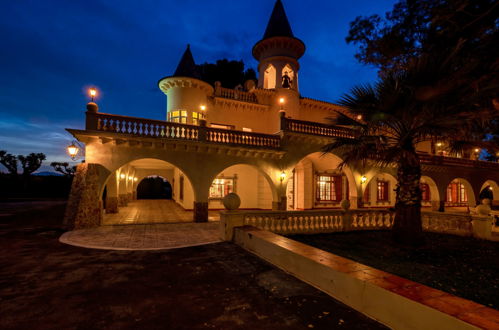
[459,193]
[434,195]
[154,187]
[313,179]
[269,78]
[288,70]
[379,190]
[252,184]
[493,187]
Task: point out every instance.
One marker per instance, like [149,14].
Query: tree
[406,108]
[64,168]
[229,73]
[9,161]
[31,162]
[415,27]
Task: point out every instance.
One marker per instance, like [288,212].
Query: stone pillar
[129,197]
[200,212]
[84,208]
[123,200]
[279,205]
[112,204]
[441,206]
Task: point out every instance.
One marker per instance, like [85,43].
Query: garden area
[462,266]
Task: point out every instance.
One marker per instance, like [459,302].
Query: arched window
[288,77]
[269,77]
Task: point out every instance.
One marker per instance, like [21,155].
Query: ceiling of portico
[150,163]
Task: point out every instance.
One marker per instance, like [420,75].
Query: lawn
[463,266]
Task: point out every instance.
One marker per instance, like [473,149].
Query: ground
[46,284]
[461,266]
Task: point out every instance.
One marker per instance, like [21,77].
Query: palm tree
[430,100]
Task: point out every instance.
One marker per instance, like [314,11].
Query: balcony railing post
[283,121]
[91,120]
[202,130]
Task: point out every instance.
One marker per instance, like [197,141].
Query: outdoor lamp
[122,176]
[281,102]
[93,92]
[477,150]
[202,107]
[363,179]
[135,179]
[282,176]
[73,151]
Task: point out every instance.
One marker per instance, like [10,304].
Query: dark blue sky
[53,50]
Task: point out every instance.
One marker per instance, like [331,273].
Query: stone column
[279,205]
[112,195]
[441,206]
[200,212]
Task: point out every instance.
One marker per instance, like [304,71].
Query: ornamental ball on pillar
[92,107]
[484,208]
[232,201]
[345,204]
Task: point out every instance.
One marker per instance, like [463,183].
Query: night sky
[51,51]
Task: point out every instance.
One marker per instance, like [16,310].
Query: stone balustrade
[329,221]
[225,136]
[308,127]
[234,94]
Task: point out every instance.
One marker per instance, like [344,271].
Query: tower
[278,53]
[187,95]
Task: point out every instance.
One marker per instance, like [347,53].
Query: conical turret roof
[278,25]
[187,67]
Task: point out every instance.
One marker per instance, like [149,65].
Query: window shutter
[338,187]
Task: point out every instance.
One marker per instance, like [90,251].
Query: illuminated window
[221,187]
[329,188]
[425,192]
[196,117]
[178,116]
[222,126]
[456,193]
[245,129]
[382,193]
[288,71]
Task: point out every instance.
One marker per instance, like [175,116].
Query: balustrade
[236,95]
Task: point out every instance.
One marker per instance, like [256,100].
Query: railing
[145,127]
[453,161]
[308,127]
[217,135]
[236,95]
[329,221]
[169,130]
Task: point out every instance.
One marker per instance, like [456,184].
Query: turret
[187,95]
[278,53]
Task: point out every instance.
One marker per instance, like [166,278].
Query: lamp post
[93,93]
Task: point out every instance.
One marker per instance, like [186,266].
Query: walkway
[152,211]
[144,237]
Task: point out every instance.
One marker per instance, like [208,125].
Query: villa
[261,140]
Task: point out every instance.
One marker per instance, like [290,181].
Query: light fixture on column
[282,176]
[122,176]
[135,179]
[363,179]
[92,92]
[281,103]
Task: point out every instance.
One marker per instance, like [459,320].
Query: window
[329,188]
[221,187]
[382,194]
[196,117]
[245,129]
[456,193]
[269,77]
[178,116]
[425,192]
[222,126]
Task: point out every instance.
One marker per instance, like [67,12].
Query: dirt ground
[462,266]
[48,285]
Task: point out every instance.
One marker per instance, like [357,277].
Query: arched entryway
[252,185]
[430,198]
[148,190]
[154,187]
[459,196]
[379,191]
[490,190]
[316,182]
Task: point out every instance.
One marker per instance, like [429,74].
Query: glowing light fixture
[359,117]
[281,101]
[490,188]
[73,150]
[282,176]
[202,107]
[122,176]
[93,93]
[477,150]
[363,179]
[439,144]
[135,179]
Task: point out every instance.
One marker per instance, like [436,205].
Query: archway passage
[459,196]
[317,183]
[154,187]
[150,191]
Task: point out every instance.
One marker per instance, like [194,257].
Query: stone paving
[152,211]
[144,237]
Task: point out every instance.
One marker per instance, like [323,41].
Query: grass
[462,266]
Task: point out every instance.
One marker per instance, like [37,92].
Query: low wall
[394,301]
[330,221]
